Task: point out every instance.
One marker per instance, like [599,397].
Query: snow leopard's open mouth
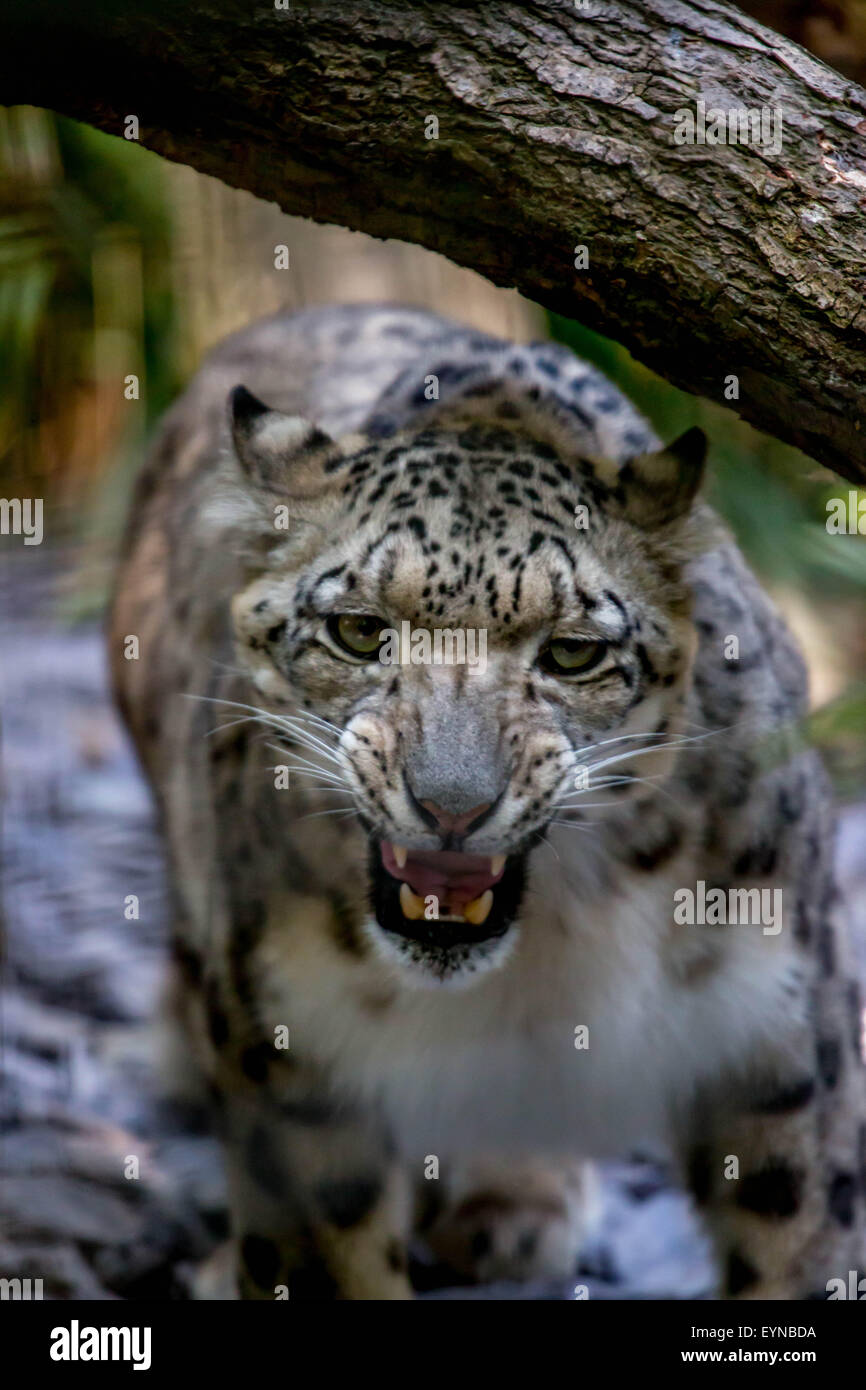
[443,899]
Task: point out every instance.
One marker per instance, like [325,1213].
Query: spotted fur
[455,507]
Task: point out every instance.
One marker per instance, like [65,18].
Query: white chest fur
[495,1066]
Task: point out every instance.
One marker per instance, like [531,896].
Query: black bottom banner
[63,1340]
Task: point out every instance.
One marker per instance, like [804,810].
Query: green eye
[358,633]
[566,656]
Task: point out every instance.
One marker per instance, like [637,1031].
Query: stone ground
[81,1089]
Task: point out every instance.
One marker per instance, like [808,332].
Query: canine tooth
[412,905]
[478,910]
[400,854]
[497,863]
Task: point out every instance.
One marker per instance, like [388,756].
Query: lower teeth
[477,911]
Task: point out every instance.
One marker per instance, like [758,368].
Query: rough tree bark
[555,129]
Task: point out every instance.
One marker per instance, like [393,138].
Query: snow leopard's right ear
[279,453]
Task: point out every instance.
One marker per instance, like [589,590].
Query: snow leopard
[447,933]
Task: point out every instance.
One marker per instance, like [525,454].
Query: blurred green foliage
[112,182]
[67,189]
[839,730]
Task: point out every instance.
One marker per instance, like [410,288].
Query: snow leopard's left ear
[661,487]
[279,453]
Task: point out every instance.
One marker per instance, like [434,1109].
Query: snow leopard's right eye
[360,634]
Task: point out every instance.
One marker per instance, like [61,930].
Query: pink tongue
[455,879]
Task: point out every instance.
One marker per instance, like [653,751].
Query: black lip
[439,937]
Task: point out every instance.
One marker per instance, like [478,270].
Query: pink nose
[449,823]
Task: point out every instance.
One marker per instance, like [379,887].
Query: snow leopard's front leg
[781,1174]
[319,1209]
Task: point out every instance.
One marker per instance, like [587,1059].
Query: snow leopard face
[465,534]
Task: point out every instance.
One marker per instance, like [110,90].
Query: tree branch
[556,126]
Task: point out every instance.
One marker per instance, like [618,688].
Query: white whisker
[301,735]
[323,723]
[305,769]
[280,723]
[630,754]
[544,840]
[308,763]
[229,724]
[585,805]
[317,788]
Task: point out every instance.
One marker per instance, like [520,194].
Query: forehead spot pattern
[502,506]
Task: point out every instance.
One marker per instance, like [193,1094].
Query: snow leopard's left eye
[358,633]
[570,656]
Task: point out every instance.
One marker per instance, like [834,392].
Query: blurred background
[114,263]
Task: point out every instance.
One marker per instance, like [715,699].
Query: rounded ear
[661,487]
[281,453]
